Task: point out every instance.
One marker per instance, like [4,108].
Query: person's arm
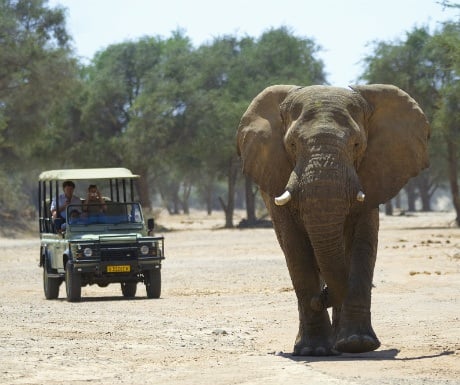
[101,201]
[62,207]
[53,209]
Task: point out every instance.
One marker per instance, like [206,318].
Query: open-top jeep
[108,244]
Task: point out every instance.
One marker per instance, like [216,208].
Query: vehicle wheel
[153,283]
[72,284]
[50,285]
[129,289]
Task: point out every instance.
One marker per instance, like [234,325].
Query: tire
[129,289]
[153,283]
[50,285]
[72,284]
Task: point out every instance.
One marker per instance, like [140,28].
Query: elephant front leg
[353,321]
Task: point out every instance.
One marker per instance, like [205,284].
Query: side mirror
[150,225]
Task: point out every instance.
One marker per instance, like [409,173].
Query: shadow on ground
[379,355]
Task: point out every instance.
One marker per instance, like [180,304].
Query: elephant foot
[314,337]
[315,342]
[311,349]
[356,336]
[357,343]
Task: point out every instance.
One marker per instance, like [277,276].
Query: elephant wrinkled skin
[324,159]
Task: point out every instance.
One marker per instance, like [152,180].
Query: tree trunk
[187,189]
[229,207]
[185,206]
[250,202]
[389,208]
[209,200]
[425,188]
[397,204]
[208,194]
[144,194]
[426,204]
[453,177]
[411,195]
[176,202]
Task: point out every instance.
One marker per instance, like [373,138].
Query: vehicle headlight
[87,252]
[144,249]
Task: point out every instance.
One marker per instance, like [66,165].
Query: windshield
[106,213]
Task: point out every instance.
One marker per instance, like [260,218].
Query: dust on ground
[228,314]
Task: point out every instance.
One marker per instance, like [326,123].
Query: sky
[344,29]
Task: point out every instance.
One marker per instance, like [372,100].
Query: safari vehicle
[112,246]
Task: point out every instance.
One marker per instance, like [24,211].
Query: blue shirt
[62,200]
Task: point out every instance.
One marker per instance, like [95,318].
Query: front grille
[118,252]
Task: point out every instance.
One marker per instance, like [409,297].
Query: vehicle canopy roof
[87,173]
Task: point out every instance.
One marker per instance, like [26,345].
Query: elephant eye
[289,143]
[358,148]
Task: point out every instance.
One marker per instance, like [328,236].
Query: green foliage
[427,67]
[169,111]
[36,71]
[11,194]
[406,64]
[166,109]
[445,49]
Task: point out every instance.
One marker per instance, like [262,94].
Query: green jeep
[111,244]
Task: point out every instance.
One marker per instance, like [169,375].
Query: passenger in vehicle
[65,199]
[74,217]
[94,204]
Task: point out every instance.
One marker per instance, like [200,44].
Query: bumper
[116,267]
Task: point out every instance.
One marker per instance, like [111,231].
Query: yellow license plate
[118,269]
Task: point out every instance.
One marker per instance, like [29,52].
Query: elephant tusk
[360,196]
[283,198]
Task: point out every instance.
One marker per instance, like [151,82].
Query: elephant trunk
[324,207]
[328,243]
[325,195]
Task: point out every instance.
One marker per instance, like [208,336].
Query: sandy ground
[228,315]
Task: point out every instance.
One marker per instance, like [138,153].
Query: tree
[216,116]
[408,65]
[113,82]
[445,50]
[36,73]
[159,128]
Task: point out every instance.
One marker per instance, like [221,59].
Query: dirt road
[228,315]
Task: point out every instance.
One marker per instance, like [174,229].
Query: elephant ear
[260,141]
[397,144]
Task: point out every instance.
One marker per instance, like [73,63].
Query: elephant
[324,158]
